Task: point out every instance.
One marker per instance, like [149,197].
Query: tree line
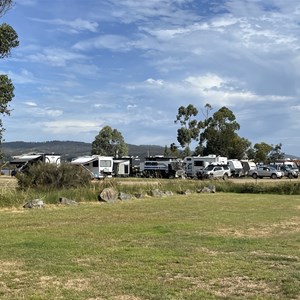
[214,134]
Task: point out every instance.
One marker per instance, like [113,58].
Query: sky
[130,64]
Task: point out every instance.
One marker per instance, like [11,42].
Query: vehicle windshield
[209,167]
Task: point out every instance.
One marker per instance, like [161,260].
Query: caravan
[98,166]
[22,162]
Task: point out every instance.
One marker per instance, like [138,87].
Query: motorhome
[98,166]
[194,165]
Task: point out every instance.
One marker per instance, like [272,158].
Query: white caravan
[121,167]
[247,166]
[236,167]
[98,166]
[194,165]
[23,161]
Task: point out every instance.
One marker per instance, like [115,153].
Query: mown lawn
[201,246]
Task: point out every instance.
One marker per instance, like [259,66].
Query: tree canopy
[109,142]
[8,40]
[216,134]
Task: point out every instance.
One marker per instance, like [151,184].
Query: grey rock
[169,193]
[124,196]
[35,203]
[157,193]
[207,189]
[108,195]
[66,201]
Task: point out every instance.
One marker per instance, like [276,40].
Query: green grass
[201,246]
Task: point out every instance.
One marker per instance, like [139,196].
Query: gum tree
[8,40]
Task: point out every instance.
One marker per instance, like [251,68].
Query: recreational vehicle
[22,162]
[98,166]
[160,166]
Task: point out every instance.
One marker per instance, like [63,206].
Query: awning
[83,160]
[24,159]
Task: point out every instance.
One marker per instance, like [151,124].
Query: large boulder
[108,195]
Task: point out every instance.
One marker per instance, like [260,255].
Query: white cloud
[76,25]
[110,41]
[55,57]
[71,126]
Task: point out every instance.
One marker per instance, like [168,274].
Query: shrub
[48,177]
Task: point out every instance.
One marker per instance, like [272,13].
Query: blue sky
[131,64]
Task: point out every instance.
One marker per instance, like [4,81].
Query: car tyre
[254,175]
[274,176]
[225,176]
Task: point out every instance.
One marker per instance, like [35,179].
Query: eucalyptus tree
[219,135]
[8,40]
[109,142]
[189,129]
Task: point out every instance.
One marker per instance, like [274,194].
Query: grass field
[201,246]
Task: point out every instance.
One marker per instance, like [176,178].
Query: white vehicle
[98,166]
[216,171]
[236,167]
[194,165]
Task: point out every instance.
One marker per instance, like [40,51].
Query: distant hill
[70,149]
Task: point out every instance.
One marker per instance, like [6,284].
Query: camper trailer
[22,162]
[161,166]
[247,166]
[194,165]
[98,166]
[236,167]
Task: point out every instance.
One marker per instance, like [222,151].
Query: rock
[35,203]
[108,195]
[186,192]
[138,195]
[124,196]
[157,193]
[207,189]
[67,201]
[169,193]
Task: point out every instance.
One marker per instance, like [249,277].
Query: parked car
[266,171]
[217,171]
[290,172]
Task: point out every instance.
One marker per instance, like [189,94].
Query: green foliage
[190,129]
[50,177]
[220,137]
[8,40]
[109,142]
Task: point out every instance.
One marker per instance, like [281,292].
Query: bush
[48,177]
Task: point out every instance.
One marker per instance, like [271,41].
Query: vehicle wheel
[254,175]
[290,176]
[225,176]
[274,176]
